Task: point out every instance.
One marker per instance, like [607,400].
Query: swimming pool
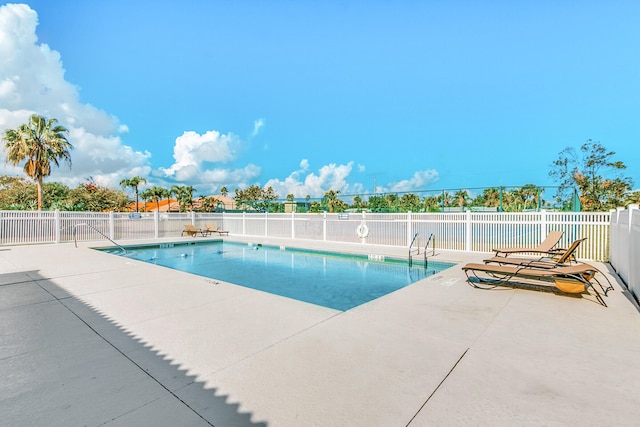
[333,280]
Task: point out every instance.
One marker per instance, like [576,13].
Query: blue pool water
[333,280]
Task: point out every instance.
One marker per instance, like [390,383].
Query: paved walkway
[89,338]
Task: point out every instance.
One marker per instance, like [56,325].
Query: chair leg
[598,296]
[610,287]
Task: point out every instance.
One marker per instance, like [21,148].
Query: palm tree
[133,183]
[188,196]
[208,203]
[331,198]
[224,191]
[173,190]
[178,190]
[163,194]
[41,141]
[156,194]
[492,197]
[184,194]
[529,193]
[431,203]
[146,196]
[409,202]
[462,196]
[445,199]
[392,202]
[357,202]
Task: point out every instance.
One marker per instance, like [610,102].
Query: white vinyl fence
[460,231]
[625,246]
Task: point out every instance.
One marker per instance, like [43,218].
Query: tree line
[589,180]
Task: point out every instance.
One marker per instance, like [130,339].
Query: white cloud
[32,81]
[257,125]
[98,155]
[192,150]
[301,183]
[419,181]
[213,179]
[210,181]
[32,75]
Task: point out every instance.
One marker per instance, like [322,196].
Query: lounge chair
[572,279]
[192,231]
[553,258]
[544,247]
[214,229]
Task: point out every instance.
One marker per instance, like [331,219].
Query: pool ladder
[431,240]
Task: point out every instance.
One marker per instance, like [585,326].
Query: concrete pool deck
[89,338]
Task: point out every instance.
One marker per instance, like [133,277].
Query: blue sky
[310,96]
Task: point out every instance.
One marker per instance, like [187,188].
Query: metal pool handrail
[415,236]
[97,231]
[431,237]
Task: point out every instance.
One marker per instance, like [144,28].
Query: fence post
[324,225]
[244,223]
[626,262]
[193,218]
[363,221]
[632,251]
[112,226]
[266,222]
[613,236]
[56,222]
[156,225]
[293,224]
[469,229]
[409,229]
[544,227]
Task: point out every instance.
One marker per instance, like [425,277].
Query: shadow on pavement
[63,363]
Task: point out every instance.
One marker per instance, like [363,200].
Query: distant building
[165,205]
[219,203]
[290,207]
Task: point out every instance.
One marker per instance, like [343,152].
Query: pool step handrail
[75,240]
[415,236]
[432,240]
